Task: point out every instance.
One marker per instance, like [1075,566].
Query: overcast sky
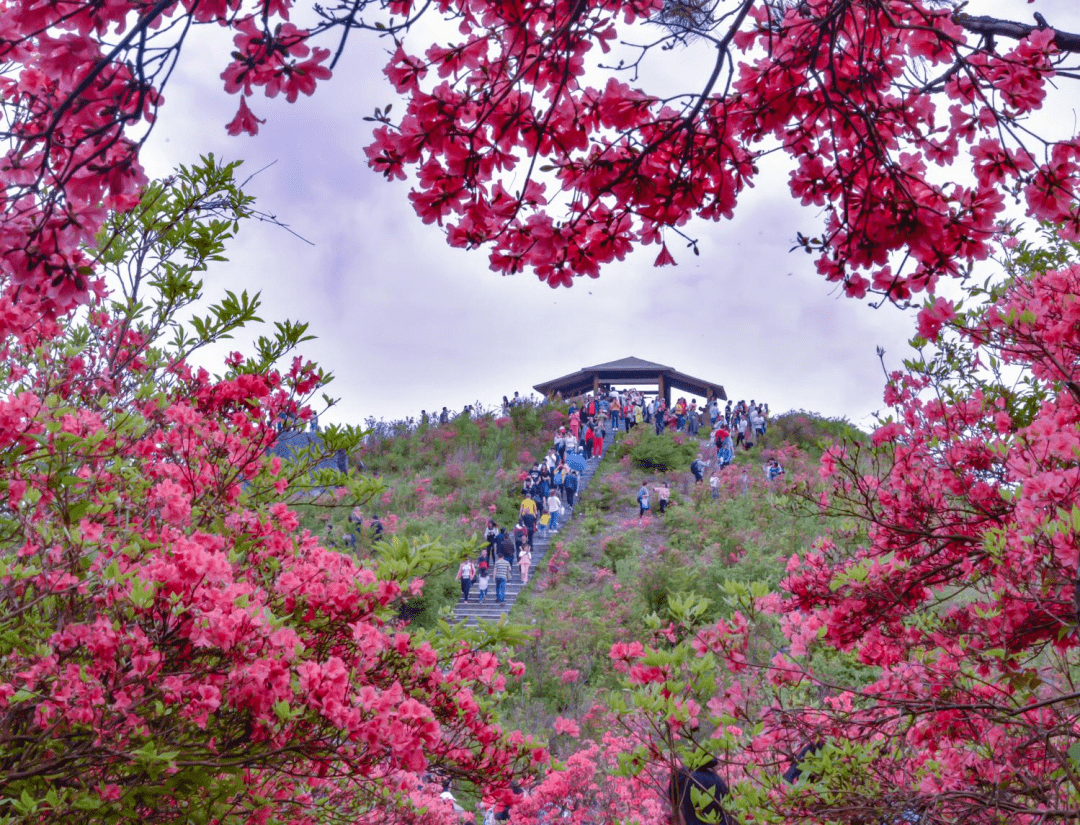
[405,322]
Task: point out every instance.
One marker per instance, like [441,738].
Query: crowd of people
[354,531]
[445,416]
[744,425]
[549,488]
[747,423]
[548,492]
[739,425]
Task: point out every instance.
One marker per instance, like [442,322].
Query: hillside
[615,577]
[440,485]
[610,577]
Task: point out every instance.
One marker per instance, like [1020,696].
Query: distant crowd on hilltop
[735,425]
[619,409]
[380,429]
[445,416]
[550,486]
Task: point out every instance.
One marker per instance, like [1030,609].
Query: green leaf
[1074,753]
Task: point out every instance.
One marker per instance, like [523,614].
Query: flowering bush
[919,666]
[171,641]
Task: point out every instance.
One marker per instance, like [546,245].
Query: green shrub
[603,496]
[660,453]
[439,591]
[811,432]
[617,548]
[527,419]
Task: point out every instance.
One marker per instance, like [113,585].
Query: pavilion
[630,372]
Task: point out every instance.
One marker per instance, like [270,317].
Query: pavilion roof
[629,364]
[630,370]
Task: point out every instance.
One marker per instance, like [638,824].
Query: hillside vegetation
[611,576]
[440,484]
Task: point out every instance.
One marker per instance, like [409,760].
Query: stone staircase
[490,610]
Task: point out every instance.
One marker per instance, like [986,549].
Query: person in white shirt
[757,421]
[555,508]
[465,575]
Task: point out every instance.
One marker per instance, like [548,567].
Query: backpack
[572,481]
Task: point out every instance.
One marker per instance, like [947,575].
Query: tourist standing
[465,575]
[356,519]
[697,467]
[663,494]
[504,545]
[773,470]
[570,485]
[560,443]
[528,515]
[521,536]
[482,581]
[643,499]
[558,478]
[748,432]
[553,505]
[524,560]
[502,573]
[680,414]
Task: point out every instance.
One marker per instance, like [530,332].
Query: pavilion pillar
[662,389]
[596,384]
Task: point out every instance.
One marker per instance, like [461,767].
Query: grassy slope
[609,570]
[442,484]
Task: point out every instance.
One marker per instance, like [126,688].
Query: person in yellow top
[528,516]
[680,414]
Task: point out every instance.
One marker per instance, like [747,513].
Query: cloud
[404,322]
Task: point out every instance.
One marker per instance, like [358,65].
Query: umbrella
[576,462]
